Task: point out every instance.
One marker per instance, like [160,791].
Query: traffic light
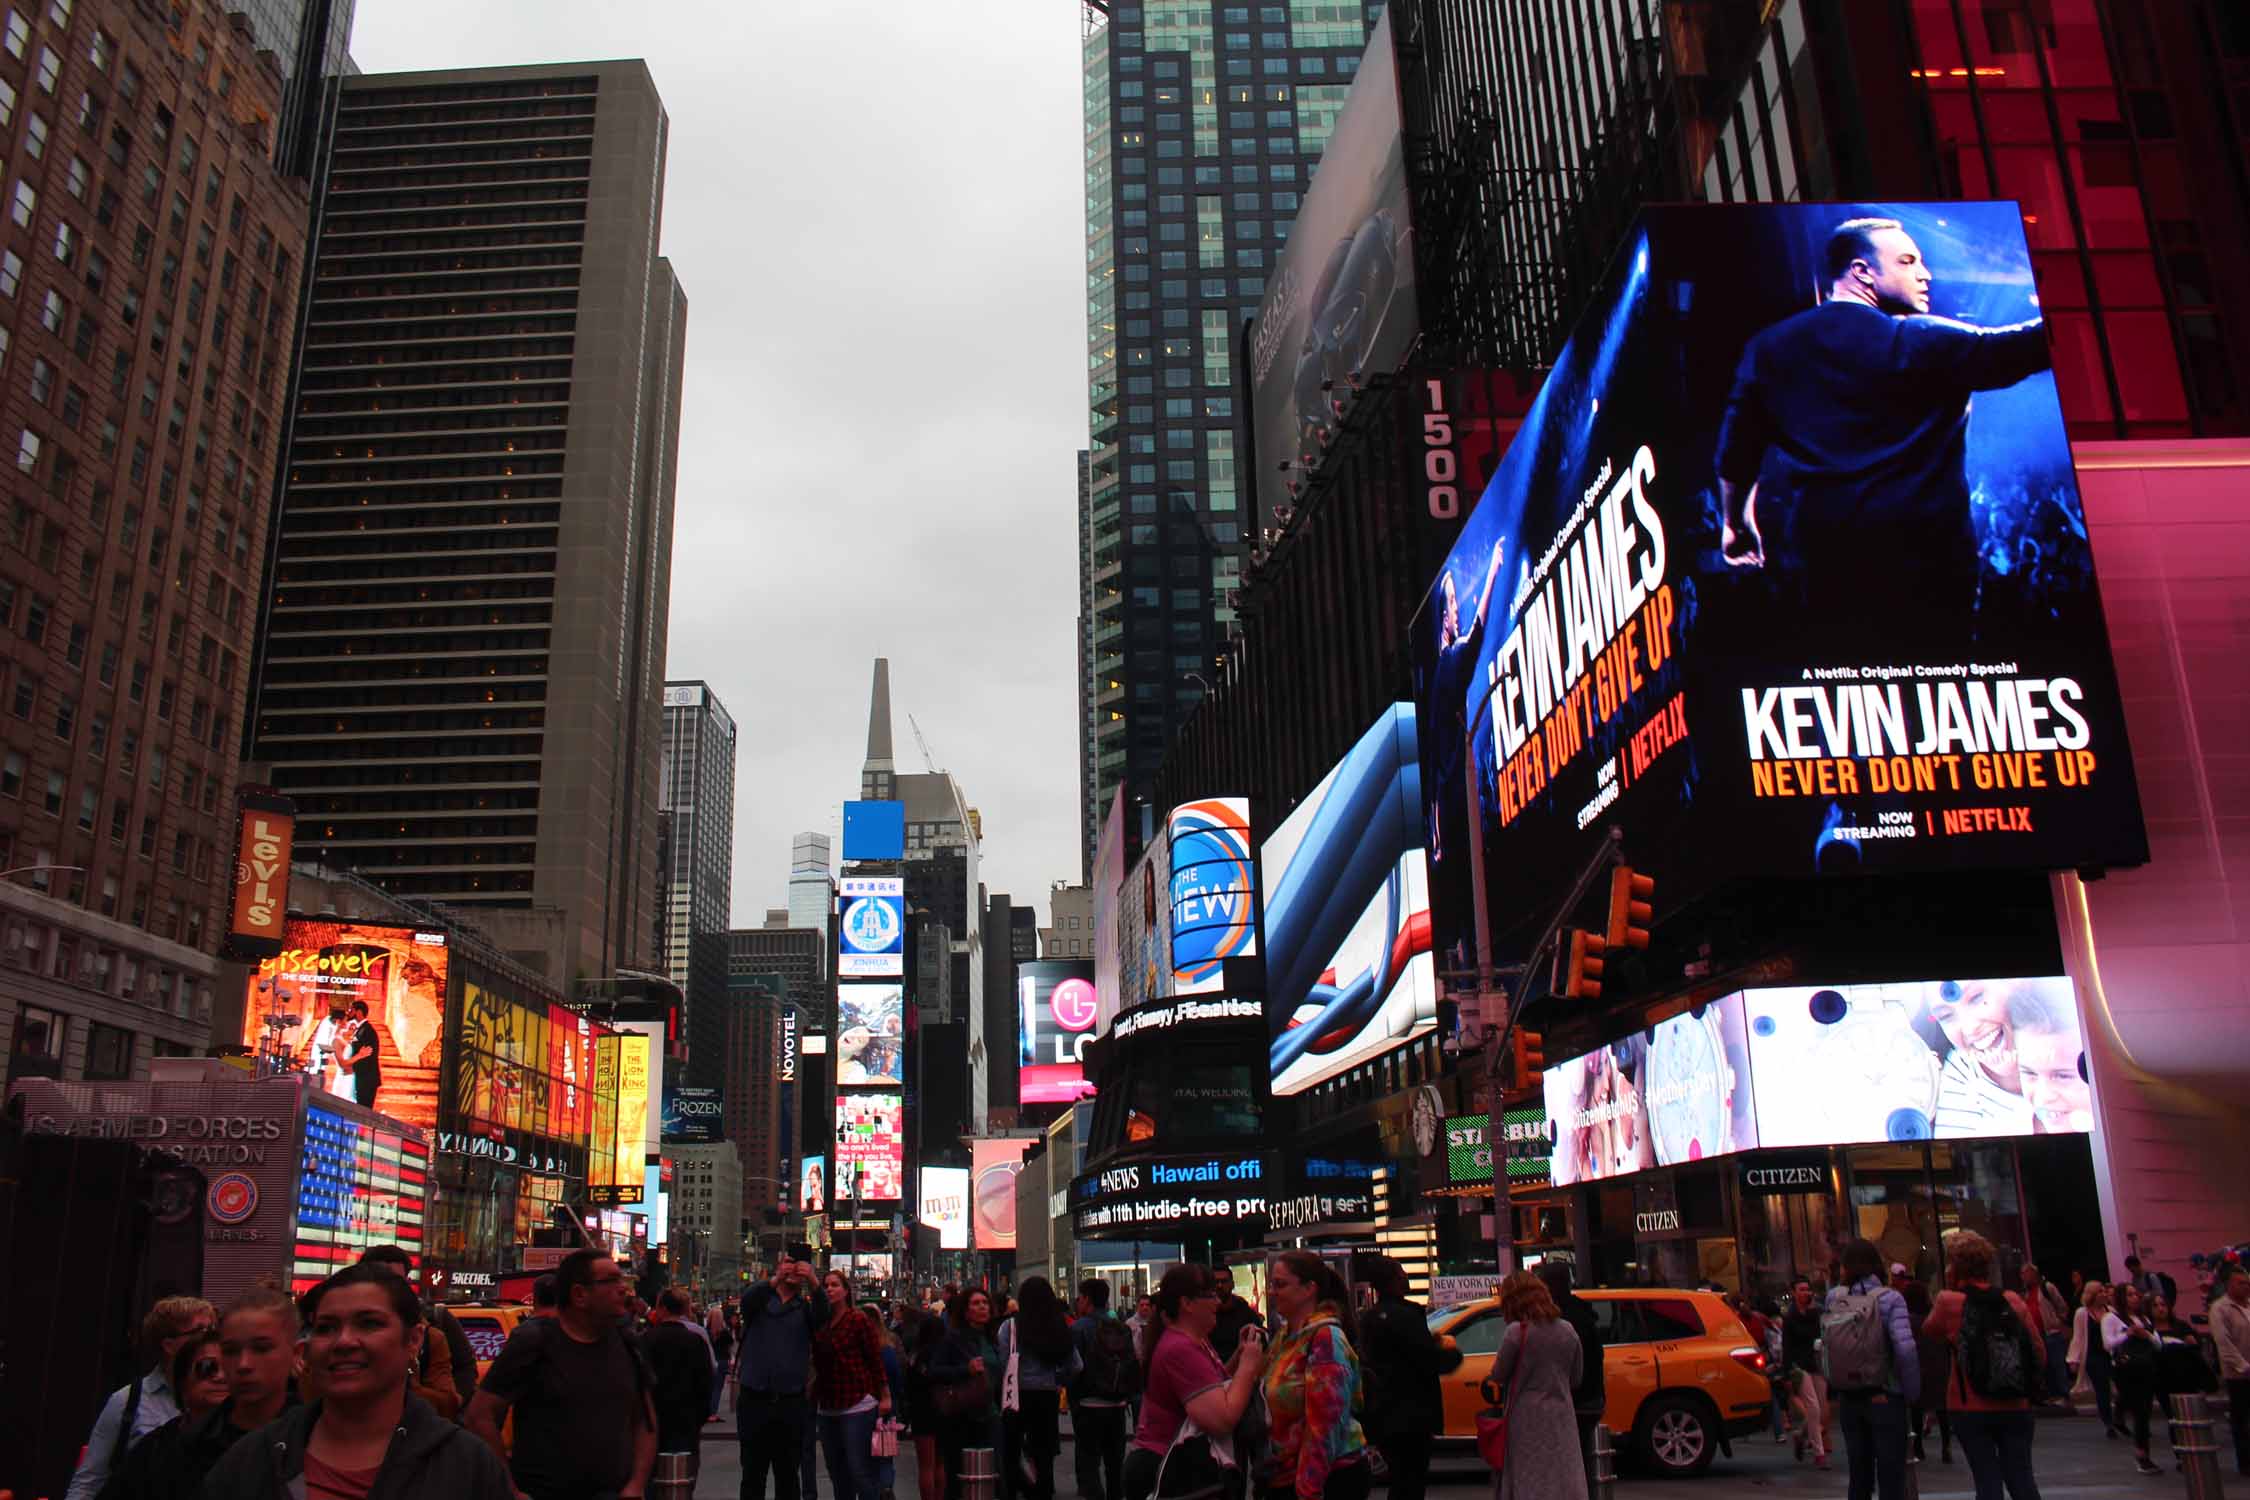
[1581,976]
[1631,908]
[1530,1058]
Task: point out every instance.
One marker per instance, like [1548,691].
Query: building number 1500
[1440,465]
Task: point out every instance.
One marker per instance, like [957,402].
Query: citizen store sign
[1169,1193]
[1790,1172]
[1660,1221]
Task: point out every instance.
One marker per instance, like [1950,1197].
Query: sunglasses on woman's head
[206,1369]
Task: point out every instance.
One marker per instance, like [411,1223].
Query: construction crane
[929,764]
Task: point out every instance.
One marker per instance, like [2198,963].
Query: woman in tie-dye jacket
[1311,1384]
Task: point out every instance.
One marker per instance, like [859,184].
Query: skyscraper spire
[876,773]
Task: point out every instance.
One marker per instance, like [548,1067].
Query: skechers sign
[1170,1193]
[872,931]
[1212,917]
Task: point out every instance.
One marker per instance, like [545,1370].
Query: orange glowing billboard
[301,1014]
[263,839]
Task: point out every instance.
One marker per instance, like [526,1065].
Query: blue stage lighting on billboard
[874,830]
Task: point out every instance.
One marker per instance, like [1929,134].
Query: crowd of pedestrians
[360,1390]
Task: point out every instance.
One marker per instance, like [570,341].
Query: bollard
[979,1474]
[1604,1476]
[673,1477]
[1913,1490]
[2194,1444]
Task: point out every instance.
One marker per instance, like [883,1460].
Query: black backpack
[1999,1360]
[1113,1370]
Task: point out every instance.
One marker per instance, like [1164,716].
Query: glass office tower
[1203,124]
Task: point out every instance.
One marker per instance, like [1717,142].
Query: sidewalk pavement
[2072,1458]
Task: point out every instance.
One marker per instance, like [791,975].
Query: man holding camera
[772,1404]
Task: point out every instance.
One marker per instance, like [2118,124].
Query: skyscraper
[461,668]
[310,41]
[698,797]
[145,349]
[943,838]
[769,969]
[1203,124]
[812,882]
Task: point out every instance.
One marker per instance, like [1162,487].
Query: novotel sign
[1172,1192]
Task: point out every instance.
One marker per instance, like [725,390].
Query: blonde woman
[2088,1360]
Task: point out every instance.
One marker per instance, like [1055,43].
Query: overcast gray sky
[877,214]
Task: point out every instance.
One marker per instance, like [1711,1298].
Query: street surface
[2072,1459]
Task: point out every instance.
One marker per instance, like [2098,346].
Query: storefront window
[1784,1236]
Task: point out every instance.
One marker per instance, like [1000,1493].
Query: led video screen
[870,1033]
[1347,914]
[945,1205]
[1055,1013]
[1210,891]
[1679,1091]
[1759,583]
[1947,1059]
[812,1185]
[300,1013]
[992,1191]
[870,1148]
[871,927]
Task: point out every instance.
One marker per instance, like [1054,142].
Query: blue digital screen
[874,830]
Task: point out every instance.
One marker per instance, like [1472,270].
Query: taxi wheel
[1678,1435]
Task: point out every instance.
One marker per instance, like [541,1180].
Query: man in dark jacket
[1234,1314]
[1400,1362]
[773,1374]
[1591,1395]
[462,1356]
[680,1359]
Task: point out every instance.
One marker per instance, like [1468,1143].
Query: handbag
[961,1398]
[1492,1422]
[1011,1382]
[1198,1466]
[886,1438]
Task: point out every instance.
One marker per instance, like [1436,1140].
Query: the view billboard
[1347,914]
[1341,307]
[300,1001]
[945,1205]
[1756,582]
[1211,913]
[1054,1022]
[870,1033]
[1948,1059]
[871,929]
[1679,1091]
[870,1148]
[992,1191]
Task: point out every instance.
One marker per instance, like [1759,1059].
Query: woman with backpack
[1037,1345]
[1873,1370]
[1311,1379]
[2130,1340]
[1996,1369]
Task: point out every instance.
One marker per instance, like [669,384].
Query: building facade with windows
[148,283]
[1203,124]
[461,669]
[698,798]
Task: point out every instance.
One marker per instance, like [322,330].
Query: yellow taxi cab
[488,1325]
[1681,1373]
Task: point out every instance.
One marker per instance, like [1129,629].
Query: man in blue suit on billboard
[1847,432]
